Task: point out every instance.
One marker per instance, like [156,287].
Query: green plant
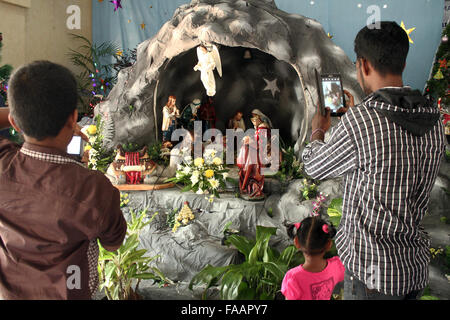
[96,77]
[335,211]
[308,189]
[447,155]
[291,167]
[438,85]
[259,277]
[171,218]
[427,295]
[5,72]
[155,154]
[117,270]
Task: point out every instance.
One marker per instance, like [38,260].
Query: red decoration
[132,159]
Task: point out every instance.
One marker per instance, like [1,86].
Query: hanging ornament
[439,75]
[445,39]
[443,63]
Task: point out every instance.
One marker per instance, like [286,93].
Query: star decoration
[271,86]
[117,4]
[408,31]
[142,26]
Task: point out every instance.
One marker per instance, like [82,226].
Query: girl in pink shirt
[316,278]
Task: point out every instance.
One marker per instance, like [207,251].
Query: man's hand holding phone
[320,123]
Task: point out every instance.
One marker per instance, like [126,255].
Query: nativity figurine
[190,115]
[251,179]
[208,61]
[170,116]
[207,113]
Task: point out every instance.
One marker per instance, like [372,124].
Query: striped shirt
[388,174]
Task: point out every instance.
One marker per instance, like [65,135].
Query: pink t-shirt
[299,284]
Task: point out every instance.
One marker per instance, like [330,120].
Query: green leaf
[231,283]
[287,255]
[208,276]
[241,243]
[245,292]
[146,276]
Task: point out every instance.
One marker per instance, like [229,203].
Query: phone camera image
[333,94]
[75,146]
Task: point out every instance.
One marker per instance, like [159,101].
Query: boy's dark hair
[42,96]
[385,47]
[311,236]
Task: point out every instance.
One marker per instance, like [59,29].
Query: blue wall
[341,18]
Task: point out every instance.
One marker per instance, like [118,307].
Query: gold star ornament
[408,31]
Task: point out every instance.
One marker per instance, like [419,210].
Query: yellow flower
[209,173]
[88,148]
[92,130]
[199,162]
[217,161]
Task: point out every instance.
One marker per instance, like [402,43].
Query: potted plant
[119,270]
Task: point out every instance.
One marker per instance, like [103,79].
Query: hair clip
[297,225]
[326,229]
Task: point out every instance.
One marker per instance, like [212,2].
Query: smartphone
[331,93]
[75,147]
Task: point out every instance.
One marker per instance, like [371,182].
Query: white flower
[188,159]
[92,140]
[225,175]
[187,170]
[179,167]
[217,161]
[214,183]
[200,191]
[195,178]
[179,175]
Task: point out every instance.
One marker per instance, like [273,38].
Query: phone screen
[74,147]
[333,93]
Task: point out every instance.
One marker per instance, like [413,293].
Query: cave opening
[251,79]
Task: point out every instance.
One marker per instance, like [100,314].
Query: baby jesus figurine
[208,60]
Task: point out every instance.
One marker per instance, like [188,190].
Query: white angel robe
[207,62]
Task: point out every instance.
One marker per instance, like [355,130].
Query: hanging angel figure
[208,60]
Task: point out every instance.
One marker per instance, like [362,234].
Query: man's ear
[73,119]
[13,123]
[366,67]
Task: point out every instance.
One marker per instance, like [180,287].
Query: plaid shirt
[388,175]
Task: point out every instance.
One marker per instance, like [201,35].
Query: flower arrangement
[202,175]
[99,159]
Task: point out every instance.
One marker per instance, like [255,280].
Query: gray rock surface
[292,40]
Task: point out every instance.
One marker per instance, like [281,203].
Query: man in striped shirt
[388,150]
